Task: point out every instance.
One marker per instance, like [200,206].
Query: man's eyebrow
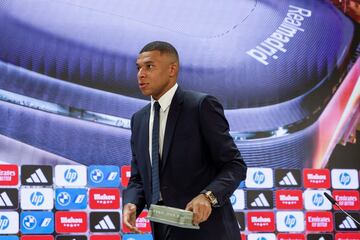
[145,62]
[148,61]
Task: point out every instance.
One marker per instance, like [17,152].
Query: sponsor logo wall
[64,202]
[290,204]
[77,202]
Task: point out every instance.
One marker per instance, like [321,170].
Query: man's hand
[129,217]
[201,208]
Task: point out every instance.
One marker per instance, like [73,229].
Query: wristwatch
[211,197]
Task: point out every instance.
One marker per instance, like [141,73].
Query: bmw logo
[63,198]
[29,222]
[97,175]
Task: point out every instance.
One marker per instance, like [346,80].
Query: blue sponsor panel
[37,222]
[70,198]
[9,238]
[103,176]
[137,237]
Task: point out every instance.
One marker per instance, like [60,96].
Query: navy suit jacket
[198,154]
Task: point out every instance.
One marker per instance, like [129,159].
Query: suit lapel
[174,111]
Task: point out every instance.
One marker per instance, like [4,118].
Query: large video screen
[287,73]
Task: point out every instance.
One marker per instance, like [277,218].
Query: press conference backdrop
[285,71]
[79,202]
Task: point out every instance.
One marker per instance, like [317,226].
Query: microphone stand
[332,200]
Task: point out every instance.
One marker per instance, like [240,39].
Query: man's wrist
[209,195]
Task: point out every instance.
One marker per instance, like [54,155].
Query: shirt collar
[165,100]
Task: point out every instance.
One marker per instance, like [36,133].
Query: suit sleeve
[134,193]
[223,151]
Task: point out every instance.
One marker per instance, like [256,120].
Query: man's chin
[145,92]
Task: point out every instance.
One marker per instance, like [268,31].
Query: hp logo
[233,199]
[4,222]
[97,175]
[63,199]
[70,175]
[29,222]
[259,177]
[344,179]
[318,199]
[37,198]
[290,221]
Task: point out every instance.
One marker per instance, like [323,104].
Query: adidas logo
[105,224]
[5,200]
[260,201]
[288,180]
[37,177]
[348,223]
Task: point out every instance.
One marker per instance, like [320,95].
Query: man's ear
[174,67]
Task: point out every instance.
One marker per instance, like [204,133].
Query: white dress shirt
[164,101]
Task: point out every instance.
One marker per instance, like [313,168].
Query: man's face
[156,73]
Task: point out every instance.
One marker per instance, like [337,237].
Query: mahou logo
[319,221]
[290,236]
[316,178]
[9,175]
[141,223]
[348,200]
[70,222]
[261,221]
[104,198]
[289,199]
[347,236]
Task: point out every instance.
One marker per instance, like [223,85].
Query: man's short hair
[162,47]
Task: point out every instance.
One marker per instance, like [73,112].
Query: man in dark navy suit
[183,154]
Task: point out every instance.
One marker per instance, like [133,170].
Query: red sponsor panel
[125,175]
[243,236]
[104,198]
[319,221]
[9,175]
[37,237]
[316,178]
[105,237]
[347,236]
[289,199]
[141,223]
[347,199]
[70,222]
[290,236]
[261,221]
